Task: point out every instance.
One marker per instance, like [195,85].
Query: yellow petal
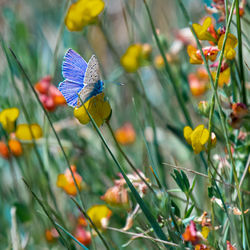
[231,43]
[204,136]
[8,118]
[195,139]
[27,132]
[205,231]
[97,213]
[61,181]
[187,131]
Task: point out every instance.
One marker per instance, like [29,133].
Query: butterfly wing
[73,70]
[92,83]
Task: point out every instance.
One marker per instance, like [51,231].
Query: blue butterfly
[81,79]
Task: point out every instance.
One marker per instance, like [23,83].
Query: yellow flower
[202,30]
[82,13]
[205,231]
[8,119]
[98,108]
[100,215]
[131,58]
[27,132]
[194,57]
[224,77]
[231,43]
[197,138]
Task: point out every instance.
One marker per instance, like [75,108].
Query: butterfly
[81,79]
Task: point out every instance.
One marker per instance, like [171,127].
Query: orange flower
[49,95]
[190,234]
[4,151]
[66,181]
[15,147]
[83,236]
[51,235]
[197,86]
[125,135]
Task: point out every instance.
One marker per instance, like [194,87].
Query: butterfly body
[81,79]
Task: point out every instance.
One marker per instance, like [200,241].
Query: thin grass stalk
[54,131]
[45,210]
[173,80]
[158,230]
[127,158]
[71,236]
[240,55]
[215,97]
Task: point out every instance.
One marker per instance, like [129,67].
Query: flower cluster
[82,13]
[207,32]
[238,114]
[49,95]
[80,233]
[135,56]
[15,133]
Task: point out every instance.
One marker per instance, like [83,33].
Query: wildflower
[15,147]
[82,13]
[224,77]
[159,62]
[100,215]
[194,57]
[210,53]
[231,43]
[28,132]
[202,30]
[136,181]
[190,234]
[51,235]
[134,57]
[8,119]
[97,106]
[197,138]
[116,196]
[239,112]
[4,151]
[125,135]
[49,95]
[66,181]
[197,87]
[230,246]
[82,221]
[82,236]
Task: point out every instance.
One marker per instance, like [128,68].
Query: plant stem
[240,55]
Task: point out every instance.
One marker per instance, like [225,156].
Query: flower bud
[204,108]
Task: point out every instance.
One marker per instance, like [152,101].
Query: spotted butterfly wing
[92,83]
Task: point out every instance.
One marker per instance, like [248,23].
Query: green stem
[240,55]
[173,81]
